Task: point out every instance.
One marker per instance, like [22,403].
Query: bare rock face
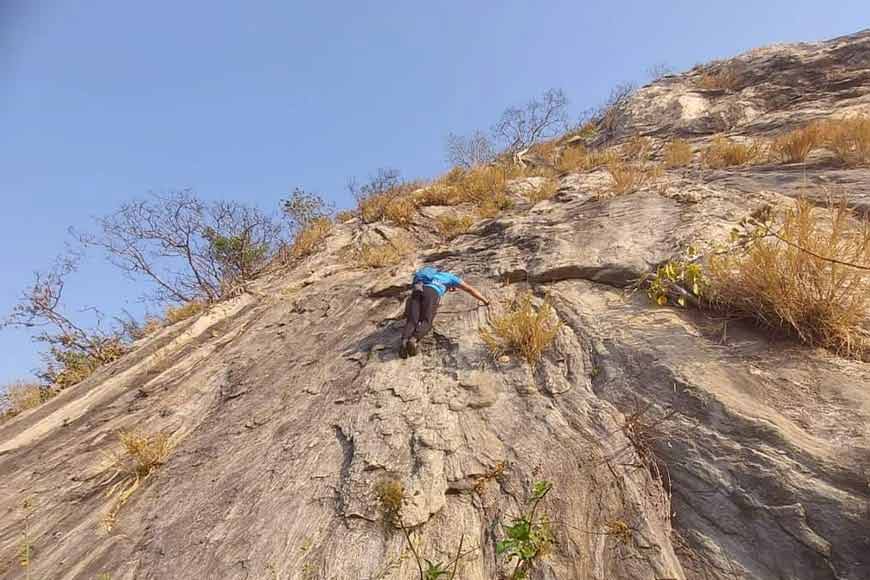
[677,446]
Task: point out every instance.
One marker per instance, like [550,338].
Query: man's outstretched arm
[469,289]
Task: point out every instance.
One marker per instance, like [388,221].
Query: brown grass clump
[141,454]
[543,190]
[21,396]
[848,139]
[578,158]
[395,204]
[485,187]
[724,152]
[451,226]
[310,238]
[678,153]
[637,148]
[790,279]
[726,77]
[184,311]
[438,194]
[382,255]
[795,146]
[523,329]
[627,177]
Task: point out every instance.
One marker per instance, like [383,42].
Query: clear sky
[104,100]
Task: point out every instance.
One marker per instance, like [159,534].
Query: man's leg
[412,318]
[428,310]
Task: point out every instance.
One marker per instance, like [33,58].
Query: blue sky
[101,101]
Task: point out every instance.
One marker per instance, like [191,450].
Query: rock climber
[428,285]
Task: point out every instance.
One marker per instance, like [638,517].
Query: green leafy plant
[391,494]
[527,537]
[678,281]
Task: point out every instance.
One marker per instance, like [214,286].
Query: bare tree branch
[522,127]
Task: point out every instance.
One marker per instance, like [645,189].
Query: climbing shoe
[403,349]
[411,347]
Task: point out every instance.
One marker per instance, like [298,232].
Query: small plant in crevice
[678,281]
[523,329]
[528,537]
[142,454]
[25,546]
[391,495]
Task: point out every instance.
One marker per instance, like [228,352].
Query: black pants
[420,310]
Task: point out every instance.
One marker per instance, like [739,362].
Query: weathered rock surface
[289,405]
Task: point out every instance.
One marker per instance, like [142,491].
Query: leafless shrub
[659,70]
[189,249]
[521,127]
[468,152]
[610,117]
[74,350]
[302,208]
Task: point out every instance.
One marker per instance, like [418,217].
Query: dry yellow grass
[637,148]
[789,281]
[725,77]
[382,255]
[184,311]
[578,158]
[795,146]
[848,139]
[140,455]
[724,152]
[522,329]
[20,396]
[451,226]
[396,204]
[678,153]
[627,177]
[544,190]
[309,239]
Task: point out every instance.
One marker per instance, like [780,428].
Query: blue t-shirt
[436,279]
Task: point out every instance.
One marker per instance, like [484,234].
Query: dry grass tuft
[724,152]
[310,238]
[484,187]
[725,77]
[788,281]
[544,190]
[140,455]
[382,255]
[678,153]
[637,148]
[451,226]
[578,158]
[21,396]
[522,329]
[795,146]
[184,311]
[391,495]
[628,177]
[848,139]
[396,204]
